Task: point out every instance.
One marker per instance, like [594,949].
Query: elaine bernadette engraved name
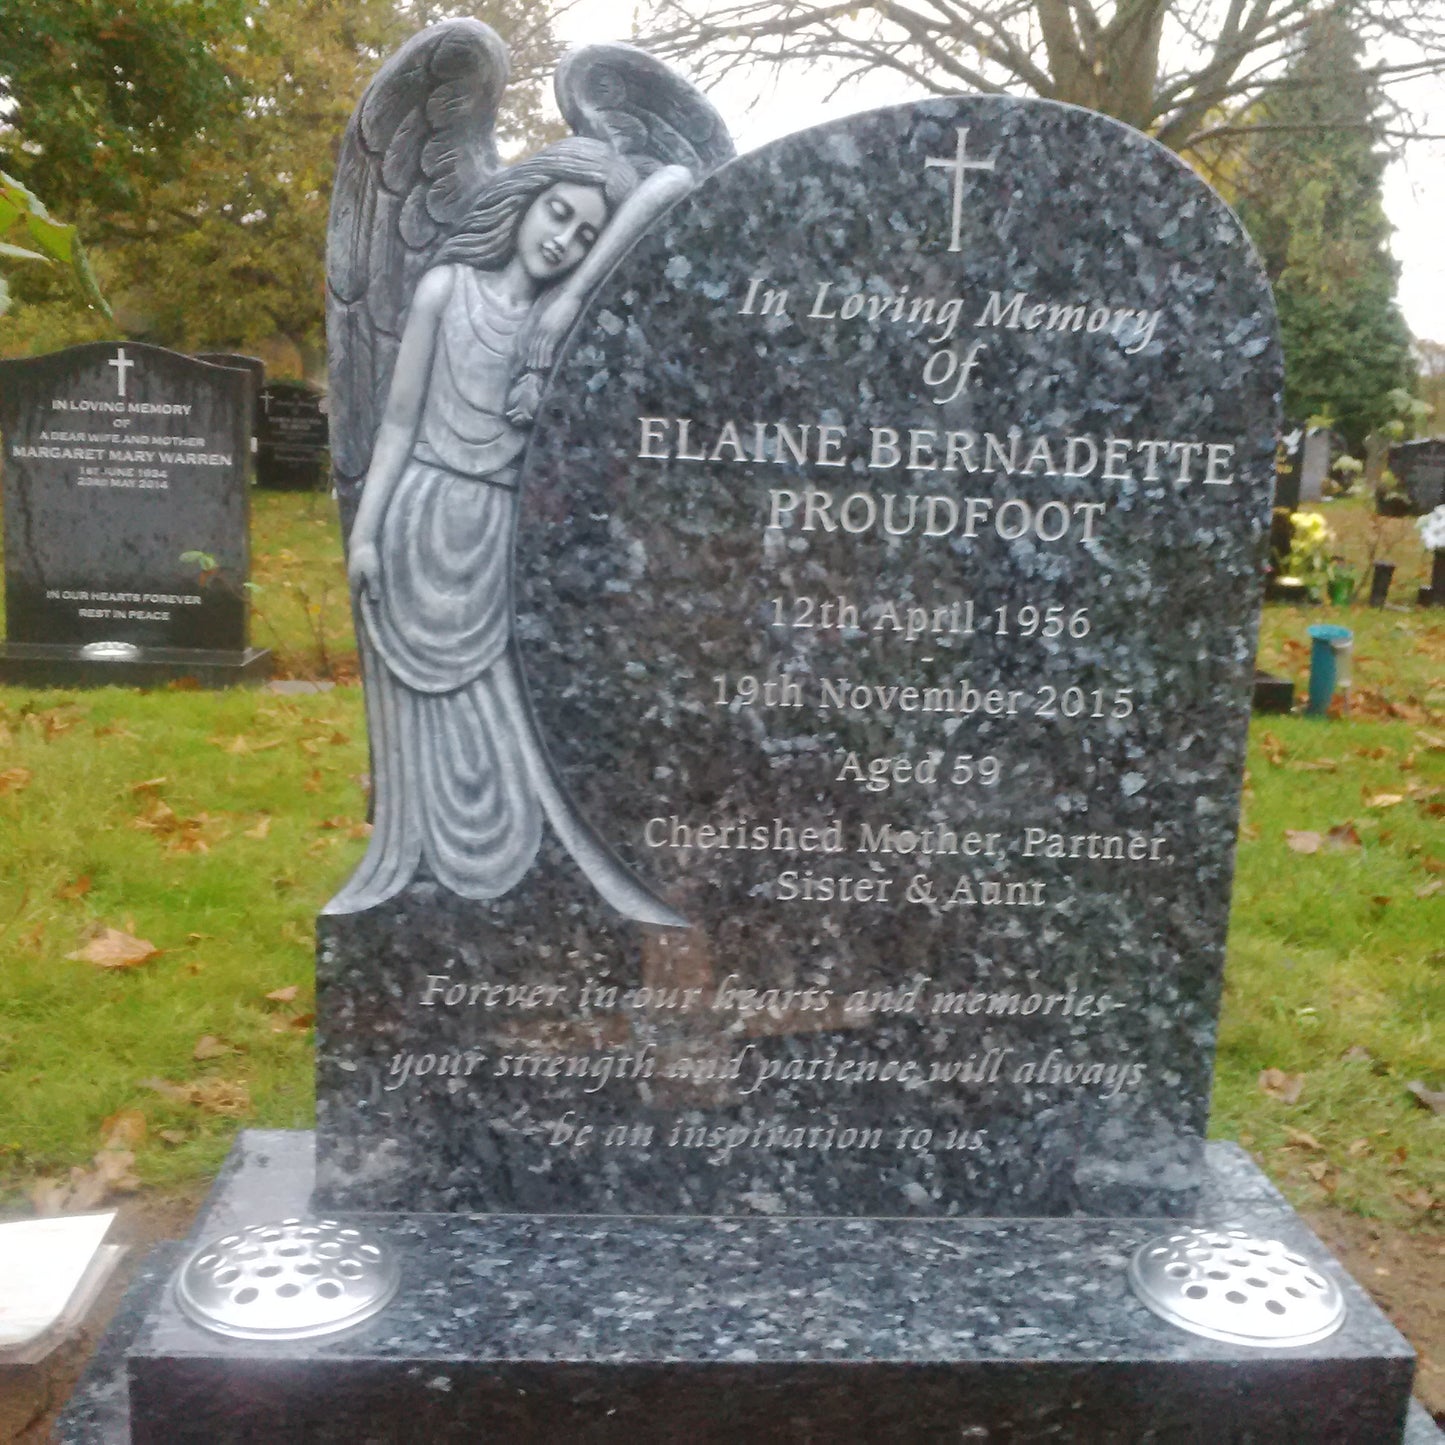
[1010,452]
[1129,462]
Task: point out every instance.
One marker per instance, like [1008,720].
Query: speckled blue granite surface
[993,913]
[808,1330]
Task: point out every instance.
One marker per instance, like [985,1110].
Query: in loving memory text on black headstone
[121,459]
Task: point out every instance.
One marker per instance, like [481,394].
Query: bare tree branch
[1184,70]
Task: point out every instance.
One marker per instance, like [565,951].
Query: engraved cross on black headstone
[122,364]
[960,165]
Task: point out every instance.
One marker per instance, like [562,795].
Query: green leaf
[58,240]
[80,265]
[19,253]
[22,191]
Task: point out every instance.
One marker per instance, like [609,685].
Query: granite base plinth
[526,1328]
[35,664]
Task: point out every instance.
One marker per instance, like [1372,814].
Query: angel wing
[419,146]
[642,108]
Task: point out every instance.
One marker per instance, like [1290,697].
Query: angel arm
[664,186]
[396,436]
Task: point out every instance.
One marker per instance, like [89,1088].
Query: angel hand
[363,570]
[523,399]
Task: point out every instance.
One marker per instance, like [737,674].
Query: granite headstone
[255,368]
[1419,467]
[807,863]
[1315,463]
[291,437]
[886,596]
[126,517]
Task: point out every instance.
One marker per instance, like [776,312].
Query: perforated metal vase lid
[289,1280]
[110,652]
[1228,1285]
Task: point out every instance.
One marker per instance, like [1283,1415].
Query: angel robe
[461,779]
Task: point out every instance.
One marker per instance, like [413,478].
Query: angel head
[546,210]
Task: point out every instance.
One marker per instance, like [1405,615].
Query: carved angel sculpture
[450,280]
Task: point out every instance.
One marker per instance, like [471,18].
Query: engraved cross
[123,364]
[959,164]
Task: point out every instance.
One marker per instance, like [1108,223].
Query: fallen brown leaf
[1314,765]
[148,786]
[1342,837]
[1431,1099]
[1358,1148]
[112,1171]
[1385,800]
[221,1096]
[215,1096]
[113,730]
[1430,889]
[173,1136]
[111,948]
[48,1197]
[76,888]
[12,780]
[1301,1139]
[125,1129]
[263,826]
[286,994]
[1419,1199]
[208,1046]
[1272,748]
[1302,840]
[1282,1086]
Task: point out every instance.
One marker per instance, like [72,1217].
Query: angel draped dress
[461,778]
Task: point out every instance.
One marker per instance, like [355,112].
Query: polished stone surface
[969,959]
[39,664]
[118,460]
[821,1329]
[98,1412]
[291,437]
[1419,467]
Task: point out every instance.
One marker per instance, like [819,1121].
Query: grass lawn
[207,828]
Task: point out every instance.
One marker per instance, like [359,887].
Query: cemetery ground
[167,852]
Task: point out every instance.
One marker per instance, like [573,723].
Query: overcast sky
[758,111]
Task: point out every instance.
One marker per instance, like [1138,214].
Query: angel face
[558,229]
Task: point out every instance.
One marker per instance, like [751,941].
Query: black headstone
[126,516]
[254,367]
[1419,467]
[291,437]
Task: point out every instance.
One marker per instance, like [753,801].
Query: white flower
[1432,529]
